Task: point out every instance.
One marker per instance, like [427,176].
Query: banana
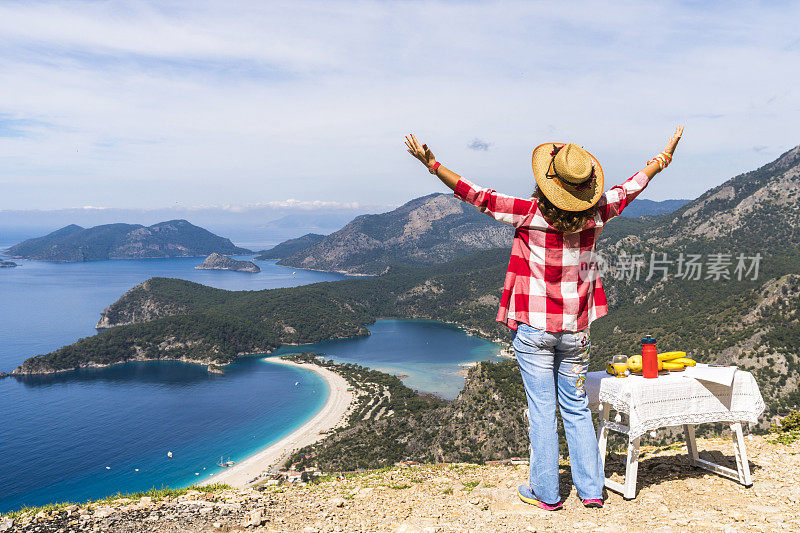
[669,356]
[674,361]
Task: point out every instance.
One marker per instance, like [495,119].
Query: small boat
[108,468]
[225,464]
[135,469]
[169,454]
[296,383]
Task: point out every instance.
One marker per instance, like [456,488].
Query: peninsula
[752,308]
[217,261]
[174,238]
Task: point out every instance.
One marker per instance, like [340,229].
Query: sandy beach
[327,418]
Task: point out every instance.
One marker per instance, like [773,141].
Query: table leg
[742,464]
[602,431]
[631,469]
[742,472]
[691,445]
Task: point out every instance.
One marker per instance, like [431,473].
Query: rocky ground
[443,498]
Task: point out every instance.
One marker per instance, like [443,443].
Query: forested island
[217,261]
[7,264]
[173,238]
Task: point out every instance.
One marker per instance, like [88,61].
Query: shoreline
[505,351]
[332,414]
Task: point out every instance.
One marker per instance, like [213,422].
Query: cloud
[293,204]
[152,103]
[13,127]
[710,116]
[479,145]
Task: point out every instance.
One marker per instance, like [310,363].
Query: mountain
[753,322]
[424,231]
[217,261]
[290,247]
[174,238]
[427,230]
[313,221]
[642,207]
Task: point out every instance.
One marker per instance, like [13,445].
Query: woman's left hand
[673,142]
[420,151]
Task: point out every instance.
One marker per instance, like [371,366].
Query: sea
[90,433]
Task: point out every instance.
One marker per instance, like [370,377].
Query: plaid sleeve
[617,198]
[504,208]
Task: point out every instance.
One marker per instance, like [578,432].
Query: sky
[241,104]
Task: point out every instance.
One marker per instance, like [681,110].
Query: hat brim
[563,194]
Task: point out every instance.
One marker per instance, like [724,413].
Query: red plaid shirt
[543,287]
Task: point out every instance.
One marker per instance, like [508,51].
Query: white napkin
[716,374]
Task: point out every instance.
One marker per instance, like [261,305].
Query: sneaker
[592,503]
[525,494]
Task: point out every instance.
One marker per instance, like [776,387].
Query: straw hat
[568,175]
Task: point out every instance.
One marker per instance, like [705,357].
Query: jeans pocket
[528,337]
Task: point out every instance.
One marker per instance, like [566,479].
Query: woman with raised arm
[550,302]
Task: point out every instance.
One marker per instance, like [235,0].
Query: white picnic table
[672,400]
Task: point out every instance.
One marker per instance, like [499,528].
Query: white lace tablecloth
[674,400]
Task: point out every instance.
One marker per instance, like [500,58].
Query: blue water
[44,306]
[58,433]
[429,353]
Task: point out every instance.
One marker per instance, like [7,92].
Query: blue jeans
[553,367]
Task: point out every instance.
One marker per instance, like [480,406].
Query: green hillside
[174,238]
[176,319]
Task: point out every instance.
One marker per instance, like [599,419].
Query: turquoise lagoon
[89,433]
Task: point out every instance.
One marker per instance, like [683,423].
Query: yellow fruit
[669,356]
[635,363]
[671,365]
[684,361]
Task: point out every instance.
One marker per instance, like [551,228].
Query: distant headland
[173,238]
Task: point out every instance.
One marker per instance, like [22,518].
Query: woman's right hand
[673,142]
[420,151]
